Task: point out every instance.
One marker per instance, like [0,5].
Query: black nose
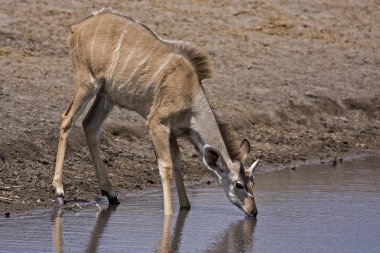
[254,213]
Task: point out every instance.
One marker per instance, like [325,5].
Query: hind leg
[85,90]
[92,123]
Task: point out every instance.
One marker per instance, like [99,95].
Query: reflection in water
[238,237]
[101,223]
[164,245]
[57,229]
[313,209]
[102,219]
[182,215]
[171,245]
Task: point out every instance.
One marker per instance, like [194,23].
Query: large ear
[213,160]
[245,147]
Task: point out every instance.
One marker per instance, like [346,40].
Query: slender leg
[160,137]
[92,123]
[177,170]
[85,90]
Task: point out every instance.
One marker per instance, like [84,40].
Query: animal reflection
[57,221]
[167,244]
[238,237]
[101,223]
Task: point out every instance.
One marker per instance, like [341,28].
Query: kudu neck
[205,127]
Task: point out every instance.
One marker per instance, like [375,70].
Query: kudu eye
[239,186]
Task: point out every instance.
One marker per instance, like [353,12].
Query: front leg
[177,170]
[160,135]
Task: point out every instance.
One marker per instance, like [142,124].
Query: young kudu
[122,62]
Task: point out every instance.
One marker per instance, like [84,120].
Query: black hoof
[112,200]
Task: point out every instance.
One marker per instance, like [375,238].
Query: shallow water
[312,209]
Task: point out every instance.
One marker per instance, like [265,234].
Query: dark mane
[198,57]
[230,137]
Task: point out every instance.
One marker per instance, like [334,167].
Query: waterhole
[311,209]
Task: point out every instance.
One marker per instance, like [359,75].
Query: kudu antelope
[123,62]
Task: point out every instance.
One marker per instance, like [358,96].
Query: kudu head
[236,180]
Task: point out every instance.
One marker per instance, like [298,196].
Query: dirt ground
[299,79]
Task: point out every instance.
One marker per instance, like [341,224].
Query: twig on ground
[79,206]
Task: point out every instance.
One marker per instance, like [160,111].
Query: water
[314,209]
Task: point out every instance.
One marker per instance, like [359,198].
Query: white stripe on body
[160,69]
[142,62]
[115,55]
[128,58]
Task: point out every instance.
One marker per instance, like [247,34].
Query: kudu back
[124,63]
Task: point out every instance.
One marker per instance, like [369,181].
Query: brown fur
[122,62]
[199,58]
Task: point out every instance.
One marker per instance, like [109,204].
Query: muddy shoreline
[298,79]
[13,207]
